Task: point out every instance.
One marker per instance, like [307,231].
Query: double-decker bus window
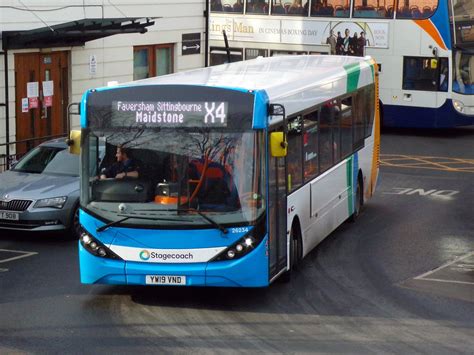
[424,73]
[219,55]
[373,9]
[330,8]
[291,8]
[310,145]
[251,53]
[346,126]
[416,9]
[295,154]
[258,7]
[227,6]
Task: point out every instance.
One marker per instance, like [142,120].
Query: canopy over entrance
[74,33]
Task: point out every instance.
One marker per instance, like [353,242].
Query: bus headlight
[96,248]
[459,106]
[244,245]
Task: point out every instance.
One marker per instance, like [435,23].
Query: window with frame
[290,8]
[252,53]
[326,136]
[152,60]
[425,73]
[346,126]
[227,6]
[330,8]
[310,145]
[416,9]
[295,153]
[219,55]
[373,9]
[257,7]
[360,118]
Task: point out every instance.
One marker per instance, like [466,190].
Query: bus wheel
[294,250]
[358,201]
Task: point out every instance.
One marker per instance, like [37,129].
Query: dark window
[251,53]
[294,157]
[360,101]
[326,139]
[424,73]
[370,93]
[290,8]
[310,146]
[227,6]
[219,55]
[258,7]
[330,8]
[373,9]
[346,126]
[416,9]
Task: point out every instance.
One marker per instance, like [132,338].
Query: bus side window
[326,142]
[294,157]
[370,97]
[310,146]
[346,127]
[360,112]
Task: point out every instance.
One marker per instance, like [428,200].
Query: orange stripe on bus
[429,28]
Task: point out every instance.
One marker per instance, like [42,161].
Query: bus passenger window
[294,157]
[360,111]
[416,9]
[310,146]
[370,94]
[346,127]
[326,142]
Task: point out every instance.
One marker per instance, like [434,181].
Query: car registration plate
[10,216]
[165,280]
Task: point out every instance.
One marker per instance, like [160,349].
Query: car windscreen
[49,160]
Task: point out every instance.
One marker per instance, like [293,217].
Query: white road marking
[447,281]
[25,254]
[424,276]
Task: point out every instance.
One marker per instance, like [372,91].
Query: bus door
[277,215]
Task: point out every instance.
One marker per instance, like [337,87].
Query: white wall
[114,54]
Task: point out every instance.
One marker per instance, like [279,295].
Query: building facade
[53,51]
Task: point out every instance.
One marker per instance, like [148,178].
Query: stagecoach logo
[144,255]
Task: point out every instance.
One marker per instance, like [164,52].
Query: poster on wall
[32,102]
[32,89]
[309,32]
[24,105]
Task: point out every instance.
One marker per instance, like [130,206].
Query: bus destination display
[171,113]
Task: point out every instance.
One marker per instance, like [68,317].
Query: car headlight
[244,245]
[95,247]
[55,202]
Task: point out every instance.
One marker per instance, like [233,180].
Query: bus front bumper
[249,271]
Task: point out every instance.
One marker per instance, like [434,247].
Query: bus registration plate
[165,280]
[11,216]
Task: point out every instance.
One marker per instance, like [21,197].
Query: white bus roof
[296,82]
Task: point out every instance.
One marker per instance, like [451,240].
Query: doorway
[42,96]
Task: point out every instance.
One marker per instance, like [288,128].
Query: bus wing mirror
[278,144]
[74,142]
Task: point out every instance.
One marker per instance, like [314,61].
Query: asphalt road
[400,280]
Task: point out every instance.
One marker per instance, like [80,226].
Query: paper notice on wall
[48,88]
[24,104]
[92,64]
[33,102]
[48,101]
[32,89]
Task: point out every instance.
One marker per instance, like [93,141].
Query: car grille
[15,205]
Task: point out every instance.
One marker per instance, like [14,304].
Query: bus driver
[123,167]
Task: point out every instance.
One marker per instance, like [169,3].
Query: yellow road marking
[427,162]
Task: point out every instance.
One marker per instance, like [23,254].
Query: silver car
[41,191]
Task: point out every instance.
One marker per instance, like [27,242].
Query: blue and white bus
[243,168]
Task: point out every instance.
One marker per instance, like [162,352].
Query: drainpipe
[206,45]
[7,111]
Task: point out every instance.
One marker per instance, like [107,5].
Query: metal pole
[227,49]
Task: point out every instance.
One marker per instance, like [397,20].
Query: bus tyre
[357,201]
[286,276]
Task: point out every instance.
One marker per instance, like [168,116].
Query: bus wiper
[210,220]
[117,222]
